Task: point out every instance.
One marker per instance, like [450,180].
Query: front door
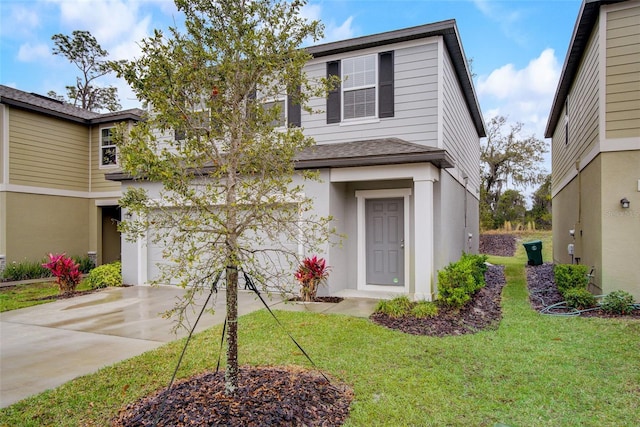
[385,241]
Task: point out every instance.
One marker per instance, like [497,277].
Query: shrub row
[572,282]
[27,270]
[458,281]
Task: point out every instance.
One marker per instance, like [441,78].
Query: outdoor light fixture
[624,203]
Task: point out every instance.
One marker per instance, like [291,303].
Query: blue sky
[517,46]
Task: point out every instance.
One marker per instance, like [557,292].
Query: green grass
[26,295]
[533,370]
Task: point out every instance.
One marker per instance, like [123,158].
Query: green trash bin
[534,252]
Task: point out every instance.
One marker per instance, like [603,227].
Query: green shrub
[106,275]
[424,309]
[397,307]
[618,302]
[458,281]
[579,298]
[85,263]
[570,276]
[479,265]
[25,270]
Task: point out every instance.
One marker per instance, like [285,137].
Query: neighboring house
[399,157]
[595,126]
[53,194]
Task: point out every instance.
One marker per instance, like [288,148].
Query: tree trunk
[231,373]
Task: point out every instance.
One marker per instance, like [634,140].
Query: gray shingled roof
[382,151]
[62,110]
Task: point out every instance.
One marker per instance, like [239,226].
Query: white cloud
[524,95]
[32,53]
[508,20]
[18,21]
[343,31]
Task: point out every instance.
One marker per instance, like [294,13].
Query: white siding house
[399,156]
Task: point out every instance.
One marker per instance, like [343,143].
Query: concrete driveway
[44,346]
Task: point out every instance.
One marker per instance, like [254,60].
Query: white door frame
[361,197]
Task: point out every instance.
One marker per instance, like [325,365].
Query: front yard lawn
[26,295]
[533,370]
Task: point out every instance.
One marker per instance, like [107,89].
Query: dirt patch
[498,244]
[482,312]
[266,397]
[543,293]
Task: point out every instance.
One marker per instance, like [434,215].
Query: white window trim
[361,198]
[101,147]
[365,119]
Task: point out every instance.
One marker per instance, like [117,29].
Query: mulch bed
[333,300]
[266,397]
[498,244]
[482,312]
[543,292]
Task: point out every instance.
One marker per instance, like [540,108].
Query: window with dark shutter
[294,112]
[385,85]
[333,100]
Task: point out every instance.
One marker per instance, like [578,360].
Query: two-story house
[595,126]
[53,193]
[399,158]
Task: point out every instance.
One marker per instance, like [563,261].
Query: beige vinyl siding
[460,138]
[415,96]
[583,117]
[3,127]
[98,182]
[47,152]
[623,73]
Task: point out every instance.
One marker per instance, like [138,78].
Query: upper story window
[359,87]
[108,150]
[366,89]
[281,119]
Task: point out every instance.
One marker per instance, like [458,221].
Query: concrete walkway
[44,346]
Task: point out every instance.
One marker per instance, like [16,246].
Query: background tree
[510,207]
[540,212]
[84,51]
[230,201]
[508,159]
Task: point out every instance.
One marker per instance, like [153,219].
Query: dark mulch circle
[266,397]
[543,292]
[333,300]
[498,244]
[482,312]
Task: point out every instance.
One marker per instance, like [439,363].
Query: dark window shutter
[333,100]
[294,111]
[385,85]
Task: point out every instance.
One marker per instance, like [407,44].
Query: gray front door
[385,241]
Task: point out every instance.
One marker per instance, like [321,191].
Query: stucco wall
[620,227]
[40,224]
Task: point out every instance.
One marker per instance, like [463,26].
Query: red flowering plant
[65,270]
[311,273]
